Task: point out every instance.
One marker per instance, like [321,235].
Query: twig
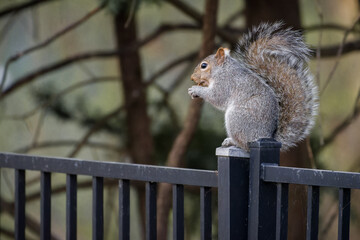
[194,14]
[318,52]
[332,51]
[94,129]
[38,128]
[317,76]
[328,26]
[166,27]
[96,54]
[22,6]
[234,17]
[55,66]
[48,41]
[342,126]
[339,55]
[170,66]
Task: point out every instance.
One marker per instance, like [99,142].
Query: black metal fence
[252,193]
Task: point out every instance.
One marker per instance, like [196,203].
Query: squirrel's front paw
[193,93]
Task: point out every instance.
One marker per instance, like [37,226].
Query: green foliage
[79,112]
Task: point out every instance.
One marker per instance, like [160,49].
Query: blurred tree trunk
[140,141]
[261,11]
[182,141]
[288,11]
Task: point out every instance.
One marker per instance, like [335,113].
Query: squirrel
[265,88]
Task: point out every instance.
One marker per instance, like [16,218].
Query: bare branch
[167,27]
[55,66]
[38,128]
[342,126]
[318,52]
[48,41]
[61,94]
[332,51]
[94,129]
[170,66]
[234,17]
[198,17]
[338,55]
[89,55]
[329,26]
[22,6]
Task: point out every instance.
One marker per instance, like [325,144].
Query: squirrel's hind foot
[228,142]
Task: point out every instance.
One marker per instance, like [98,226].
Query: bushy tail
[280,57]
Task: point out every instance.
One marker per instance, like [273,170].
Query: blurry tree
[148,121]
[288,11]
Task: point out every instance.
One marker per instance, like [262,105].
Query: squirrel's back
[279,57]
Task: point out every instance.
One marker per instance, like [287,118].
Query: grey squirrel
[265,88]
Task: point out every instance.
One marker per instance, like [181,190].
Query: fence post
[233,193]
[262,195]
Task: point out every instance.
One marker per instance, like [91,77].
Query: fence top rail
[139,172]
[313,177]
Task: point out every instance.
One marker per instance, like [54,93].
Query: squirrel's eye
[203,65]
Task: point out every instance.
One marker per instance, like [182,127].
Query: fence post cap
[265,143]
[232,152]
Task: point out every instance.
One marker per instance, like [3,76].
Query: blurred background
[108,80]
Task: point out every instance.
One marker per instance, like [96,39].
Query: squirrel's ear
[221,54]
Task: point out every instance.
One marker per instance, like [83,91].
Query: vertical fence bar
[262,195]
[19,204]
[150,211]
[205,213]
[45,206]
[282,211]
[178,212]
[0,196]
[98,208]
[124,209]
[312,224]
[71,206]
[344,214]
[233,192]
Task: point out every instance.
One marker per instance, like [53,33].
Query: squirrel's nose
[192,77]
